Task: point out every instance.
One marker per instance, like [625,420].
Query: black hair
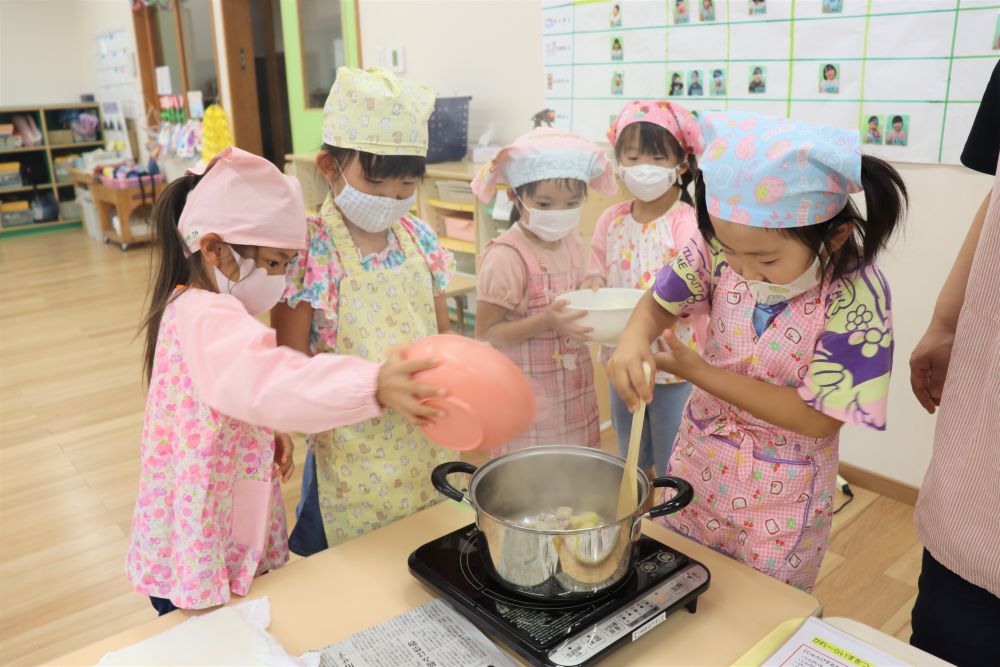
[696,73]
[176,267]
[617,42]
[757,70]
[873,118]
[379,166]
[716,73]
[897,119]
[886,200]
[830,66]
[676,77]
[574,185]
[656,140]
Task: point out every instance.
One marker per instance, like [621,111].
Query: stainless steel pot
[511,492]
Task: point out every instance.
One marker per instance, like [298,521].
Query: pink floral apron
[209,515]
[560,370]
[763,494]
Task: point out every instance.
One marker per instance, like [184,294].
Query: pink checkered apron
[560,370]
[763,495]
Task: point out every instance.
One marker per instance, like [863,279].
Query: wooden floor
[71,404]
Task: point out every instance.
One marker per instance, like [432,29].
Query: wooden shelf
[458,245]
[23,149]
[452,206]
[79,144]
[26,188]
[461,283]
[40,225]
[49,107]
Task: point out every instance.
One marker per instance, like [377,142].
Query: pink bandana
[672,117]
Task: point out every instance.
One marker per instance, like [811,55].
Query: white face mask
[370,212]
[769,294]
[551,225]
[649,181]
[256,289]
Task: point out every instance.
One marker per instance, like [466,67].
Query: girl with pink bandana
[799,334]
[525,269]
[655,144]
[209,515]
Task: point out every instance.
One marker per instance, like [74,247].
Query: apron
[560,370]
[209,515]
[763,495]
[377,471]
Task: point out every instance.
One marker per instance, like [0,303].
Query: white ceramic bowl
[608,310]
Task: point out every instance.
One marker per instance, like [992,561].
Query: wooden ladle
[627,497]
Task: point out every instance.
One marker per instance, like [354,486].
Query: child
[829,84]
[757,84]
[372,276]
[209,515]
[676,85]
[525,269]
[655,144]
[718,82]
[616,49]
[708,10]
[898,135]
[694,88]
[758,7]
[617,83]
[873,136]
[616,16]
[681,12]
[800,335]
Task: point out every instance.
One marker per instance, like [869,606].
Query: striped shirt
[958,510]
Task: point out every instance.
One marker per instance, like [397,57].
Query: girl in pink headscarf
[525,269]
[209,514]
[655,144]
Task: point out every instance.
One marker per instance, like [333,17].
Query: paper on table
[432,634]
[227,636]
[818,644]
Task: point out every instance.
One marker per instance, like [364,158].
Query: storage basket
[15,214]
[457,227]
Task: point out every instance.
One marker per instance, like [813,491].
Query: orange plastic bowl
[489,400]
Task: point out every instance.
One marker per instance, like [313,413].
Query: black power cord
[846,488]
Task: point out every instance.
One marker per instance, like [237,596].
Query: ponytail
[175,267]
[886,200]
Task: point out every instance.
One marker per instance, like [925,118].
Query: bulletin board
[908,73]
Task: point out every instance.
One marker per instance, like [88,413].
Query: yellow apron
[377,471]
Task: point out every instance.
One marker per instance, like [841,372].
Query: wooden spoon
[627,498]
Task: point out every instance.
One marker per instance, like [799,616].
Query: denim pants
[663,418]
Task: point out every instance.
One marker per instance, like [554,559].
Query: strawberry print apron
[560,370]
[209,515]
[763,495]
[372,473]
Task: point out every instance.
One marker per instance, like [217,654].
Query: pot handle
[685,493]
[439,478]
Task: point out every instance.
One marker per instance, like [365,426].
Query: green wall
[307,124]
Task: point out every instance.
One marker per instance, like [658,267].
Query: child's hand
[677,358]
[626,373]
[283,450]
[595,283]
[562,321]
[397,389]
